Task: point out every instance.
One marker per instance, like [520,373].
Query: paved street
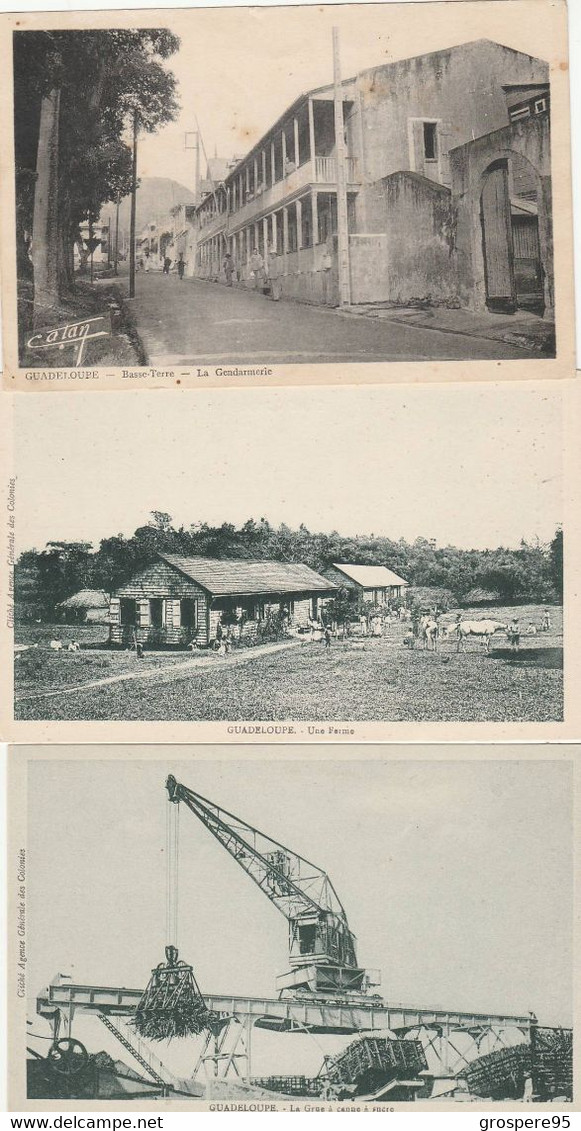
[194,322]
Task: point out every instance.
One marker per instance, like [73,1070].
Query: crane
[322,951]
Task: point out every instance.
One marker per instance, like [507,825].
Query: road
[194,322]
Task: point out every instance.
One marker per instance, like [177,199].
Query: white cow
[56,645]
[429,631]
[482,629]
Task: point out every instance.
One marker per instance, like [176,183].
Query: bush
[430,597]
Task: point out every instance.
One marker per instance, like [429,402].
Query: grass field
[384,681]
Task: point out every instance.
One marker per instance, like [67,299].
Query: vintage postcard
[286,195]
[329,564]
[407,938]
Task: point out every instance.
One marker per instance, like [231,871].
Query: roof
[370,576]
[349,83]
[218,168]
[86,599]
[240,577]
[517,92]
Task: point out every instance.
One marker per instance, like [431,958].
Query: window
[156,611]
[431,141]
[189,612]
[307,938]
[128,611]
[541,105]
[521,112]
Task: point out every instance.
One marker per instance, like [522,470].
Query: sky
[455,876]
[238,70]
[474,466]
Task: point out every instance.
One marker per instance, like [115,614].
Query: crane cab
[322,957]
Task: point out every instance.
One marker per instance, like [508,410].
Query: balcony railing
[326,170]
[323,173]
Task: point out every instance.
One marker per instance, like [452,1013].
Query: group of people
[146,262]
[180,265]
[257,269]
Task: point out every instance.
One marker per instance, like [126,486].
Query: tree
[75,92]
[556,562]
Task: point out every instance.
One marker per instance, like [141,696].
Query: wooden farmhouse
[374,583]
[178,600]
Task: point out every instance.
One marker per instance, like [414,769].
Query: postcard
[401,934]
[270,196]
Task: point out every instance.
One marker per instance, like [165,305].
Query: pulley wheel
[68,1057]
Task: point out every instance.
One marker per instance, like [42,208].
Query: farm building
[88,606]
[376,584]
[178,600]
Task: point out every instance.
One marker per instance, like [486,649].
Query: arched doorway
[513,270]
[497,242]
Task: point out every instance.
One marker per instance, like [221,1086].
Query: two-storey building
[402,121]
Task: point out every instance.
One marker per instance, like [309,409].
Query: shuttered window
[188,612]
[172,613]
[156,612]
[424,135]
[143,620]
[128,611]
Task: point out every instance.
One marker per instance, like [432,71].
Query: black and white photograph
[240,189]
[406,937]
[298,558]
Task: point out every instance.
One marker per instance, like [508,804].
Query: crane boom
[322,947]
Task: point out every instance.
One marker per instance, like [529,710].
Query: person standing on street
[228,266]
[181,265]
[257,269]
[166,264]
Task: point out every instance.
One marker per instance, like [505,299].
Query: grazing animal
[56,645]
[482,629]
[429,632]
[73,646]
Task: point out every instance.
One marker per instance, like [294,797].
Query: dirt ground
[372,679]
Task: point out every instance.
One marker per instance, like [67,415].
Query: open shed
[88,606]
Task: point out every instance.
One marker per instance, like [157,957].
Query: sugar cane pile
[547,1060]
[369,1062]
[172,1004]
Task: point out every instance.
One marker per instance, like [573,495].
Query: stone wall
[529,139]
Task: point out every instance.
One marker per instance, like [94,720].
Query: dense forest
[532,572]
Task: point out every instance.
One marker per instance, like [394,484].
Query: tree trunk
[45,219]
[65,236]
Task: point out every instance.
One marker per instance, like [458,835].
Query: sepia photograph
[381,191]
[423,958]
[292,557]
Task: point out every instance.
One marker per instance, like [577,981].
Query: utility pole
[197,184]
[196,147]
[116,260]
[342,222]
[133,209]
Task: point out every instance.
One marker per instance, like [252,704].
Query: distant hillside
[155,197]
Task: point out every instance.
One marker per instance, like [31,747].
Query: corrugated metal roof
[370,577]
[240,577]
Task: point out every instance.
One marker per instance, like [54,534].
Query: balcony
[323,172]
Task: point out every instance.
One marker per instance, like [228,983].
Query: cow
[73,646]
[429,631]
[482,629]
[56,645]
